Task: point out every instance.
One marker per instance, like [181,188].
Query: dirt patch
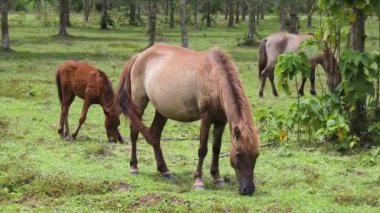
[372,199]
[4,123]
[151,199]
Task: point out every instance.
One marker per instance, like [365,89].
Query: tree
[4,7]
[37,5]
[63,18]
[171,13]
[309,8]
[293,21]
[185,39]
[87,5]
[104,15]
[230,8]
[251,23]
[359,120]
[152,21]
[237,11]
[283,14]
[132,12]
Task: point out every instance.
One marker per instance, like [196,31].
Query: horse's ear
[237,132]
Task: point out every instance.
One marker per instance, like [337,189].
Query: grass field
[40,172]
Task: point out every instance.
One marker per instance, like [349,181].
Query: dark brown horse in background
[75,78]
[279,43]
[185,85]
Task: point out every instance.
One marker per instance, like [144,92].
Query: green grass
[40,172]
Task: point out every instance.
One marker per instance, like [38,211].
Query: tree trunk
[152,22]
[138,13]
[283,15]
[359,118]
[132,13]
[166,8]
[104,16]
[230,13]
[4,7]
[171,15]
[251,23]
[38,5]
[208,15]
[309,7]
[196,13]
[87,5]
[237,19]
[293,22]
[67,14]
[258,16]
[262,10]
[244,8]
[226,10]
[184,37]
[63,18]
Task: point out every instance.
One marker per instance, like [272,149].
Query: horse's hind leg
[83,115]
[312,81]
[61,123]
[271,79]
[217,135]
[156,128]
[202,151]
[134,133]
[66,105]
[262,83]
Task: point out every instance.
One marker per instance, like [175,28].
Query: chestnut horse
[279,43]
[186,85]
[75,78]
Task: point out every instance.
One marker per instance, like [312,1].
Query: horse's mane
[241,102]
[108,90]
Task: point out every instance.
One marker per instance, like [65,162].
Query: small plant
[28,90]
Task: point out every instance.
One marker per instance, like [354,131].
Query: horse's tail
[59,85]
[263,58]
[125,101]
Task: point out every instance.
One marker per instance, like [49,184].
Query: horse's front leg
[202,151]
[82,118]
[300,90]
[217,135]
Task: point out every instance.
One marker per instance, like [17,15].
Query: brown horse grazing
[185,85]
[75,78]
[279,43]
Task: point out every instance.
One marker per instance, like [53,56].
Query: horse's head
[112,123]
[330,65]
[243,154]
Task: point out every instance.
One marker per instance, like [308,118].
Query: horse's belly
[182,109]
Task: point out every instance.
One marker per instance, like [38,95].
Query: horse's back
[173,79]
[77,76]
[280,43]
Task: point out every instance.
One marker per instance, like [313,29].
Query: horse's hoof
[198,186]
[300,93]
[313,93]
[219,182]
[134,171]
[275,94]
[168,175]
[261,95]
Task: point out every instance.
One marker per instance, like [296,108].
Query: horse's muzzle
[247,190]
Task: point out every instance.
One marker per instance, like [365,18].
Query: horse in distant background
[279,43]
[75,78]
[186,85]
